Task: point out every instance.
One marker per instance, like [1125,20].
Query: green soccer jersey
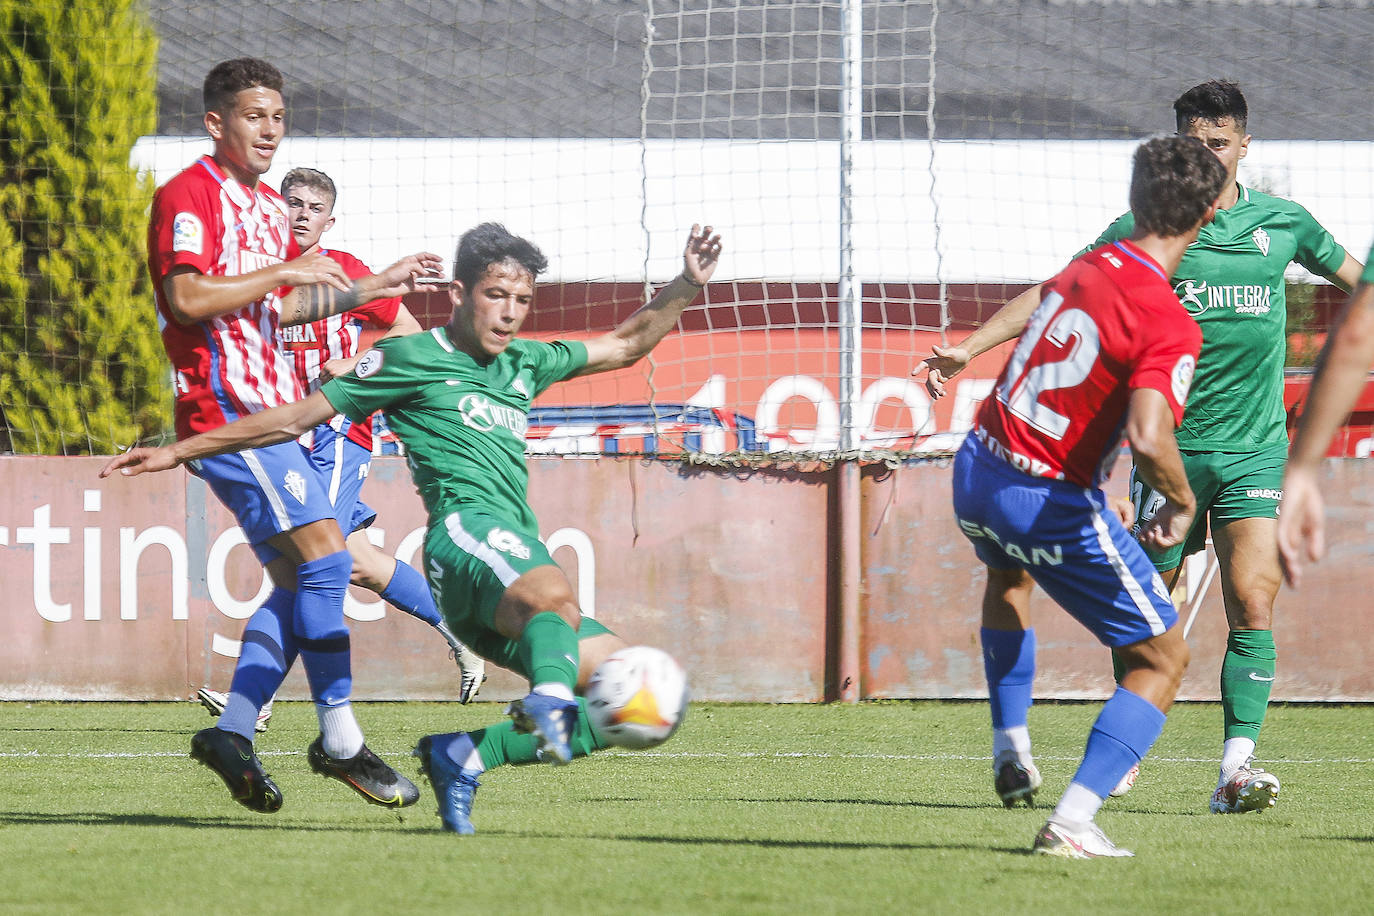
[1368,275]
[463,423]
[1231,281]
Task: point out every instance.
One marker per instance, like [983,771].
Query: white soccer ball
[637,697]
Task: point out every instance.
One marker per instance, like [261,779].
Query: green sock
[501,744]
[1247,677]
[548,650]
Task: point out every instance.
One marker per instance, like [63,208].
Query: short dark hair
[491,243]
[1174,180]
[313,179]
[230,77]
[1213,101]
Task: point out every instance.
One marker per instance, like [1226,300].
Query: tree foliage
[81,366]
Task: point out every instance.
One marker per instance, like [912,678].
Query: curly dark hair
[1174,181]
[1213,101]
[491,243]
[230,77]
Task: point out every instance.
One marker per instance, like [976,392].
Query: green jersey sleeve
[1368,275]
[1318,250]
[384,375]
[553,361]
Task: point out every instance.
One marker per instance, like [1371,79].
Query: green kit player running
[1233,439]
[459,399]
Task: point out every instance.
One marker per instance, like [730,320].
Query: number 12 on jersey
[1076,334]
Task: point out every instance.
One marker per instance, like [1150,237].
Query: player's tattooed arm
[305,304]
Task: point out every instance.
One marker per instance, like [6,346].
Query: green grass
[877,808]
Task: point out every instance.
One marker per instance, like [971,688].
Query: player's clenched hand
[1302,535]
[316,268]
[702,255]
[940,368]
[1168,527]
[140,460]
[337,368]
[399,278]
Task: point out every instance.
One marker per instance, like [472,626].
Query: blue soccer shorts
[343,464]
[270,490]
[1069,541]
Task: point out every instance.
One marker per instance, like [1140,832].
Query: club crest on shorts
[295,485]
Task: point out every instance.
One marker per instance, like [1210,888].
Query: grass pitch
[876,808]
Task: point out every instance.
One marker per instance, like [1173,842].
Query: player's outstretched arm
[267,427]
[1008,322]
[1150,430]
[1342,369]
[193,296]
[641,332]
[305,304]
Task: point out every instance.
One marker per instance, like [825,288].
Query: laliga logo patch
[1182,378]
[369,364]
[187,234]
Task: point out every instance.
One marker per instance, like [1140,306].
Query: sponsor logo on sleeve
[370,364]
[187,234]
[1182,377]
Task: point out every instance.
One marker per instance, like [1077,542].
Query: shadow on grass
[106,819]
[780,800]
[758,842]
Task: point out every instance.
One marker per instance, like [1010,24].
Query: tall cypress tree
[81,367]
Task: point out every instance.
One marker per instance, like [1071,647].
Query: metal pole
[848,477]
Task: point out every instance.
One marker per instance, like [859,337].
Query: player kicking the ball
[1108,350]
[459,397]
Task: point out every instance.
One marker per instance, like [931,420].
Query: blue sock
[1124,732]
[321,633]
[409,592]
[268,649]
[1009,663]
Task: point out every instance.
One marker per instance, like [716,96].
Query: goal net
[885,176]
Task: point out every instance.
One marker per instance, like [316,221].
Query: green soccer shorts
[470,559]
[1227,486]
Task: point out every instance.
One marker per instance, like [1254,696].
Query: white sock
[552,689]
[239,716]
[1235,753]
[1014,740]
[342,738]
[1078,806]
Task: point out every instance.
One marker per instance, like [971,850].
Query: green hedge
[81,366]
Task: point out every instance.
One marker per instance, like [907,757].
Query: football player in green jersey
[1342,372]
[1232,438]
[459,397]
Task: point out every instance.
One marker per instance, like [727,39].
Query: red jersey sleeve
[182,228]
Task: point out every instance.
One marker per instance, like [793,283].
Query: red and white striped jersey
[1107,324]
[310,346]
[230,366]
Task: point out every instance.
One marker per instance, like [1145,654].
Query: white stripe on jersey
[1123,573]
[253,373]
